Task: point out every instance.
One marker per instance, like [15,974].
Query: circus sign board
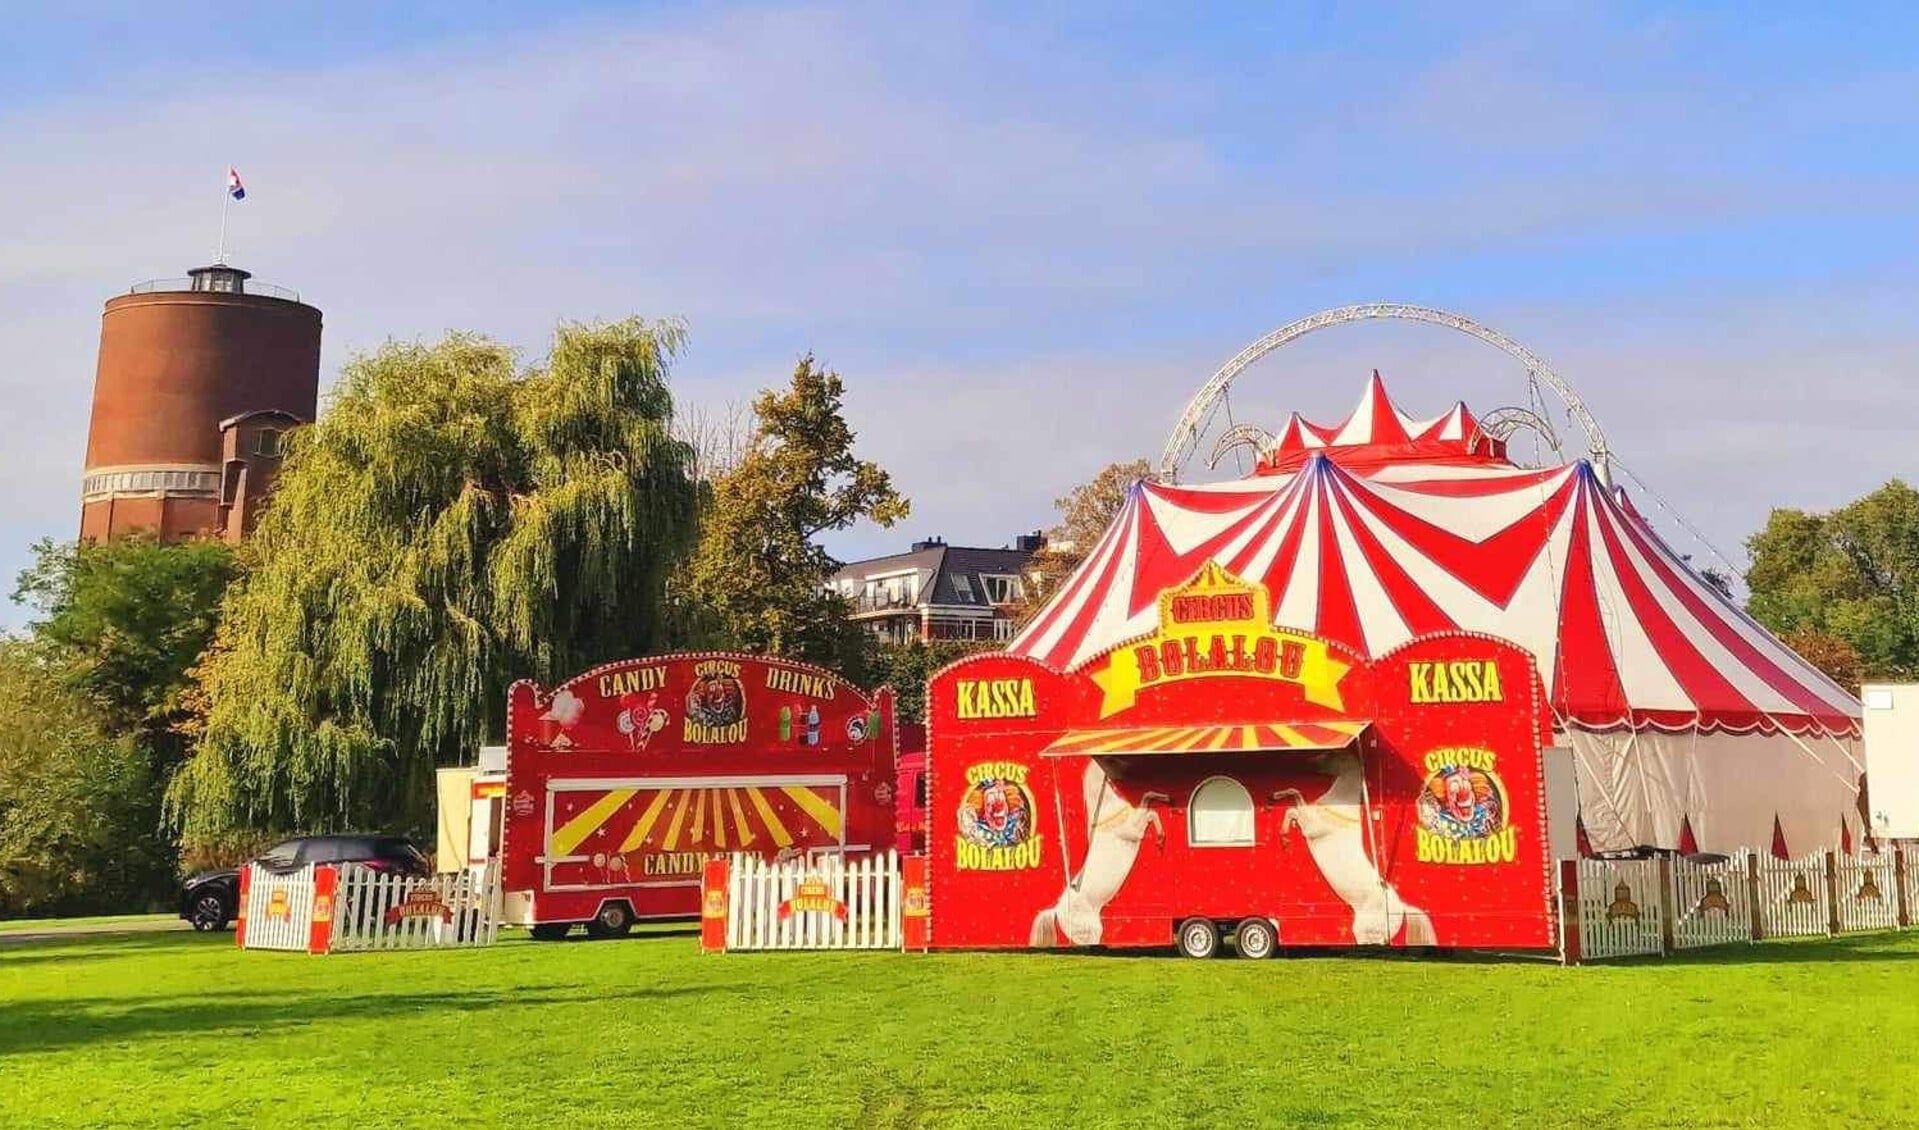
[813,896]
[1218,625]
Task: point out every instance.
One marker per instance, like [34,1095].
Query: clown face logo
[716,700]
[1462,809]
[996,820]
[716,704]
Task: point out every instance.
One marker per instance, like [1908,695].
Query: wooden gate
[826,901]
[1793,899]
[1867,889]
[1712,903]
[1621,908]
[381,911]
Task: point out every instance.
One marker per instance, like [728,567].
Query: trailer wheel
[615,920]
[549,931]
[1255,938]
[1198,937]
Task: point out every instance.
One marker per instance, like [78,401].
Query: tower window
[270,443]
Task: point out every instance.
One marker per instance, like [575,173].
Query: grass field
[182,1029]
[59,925]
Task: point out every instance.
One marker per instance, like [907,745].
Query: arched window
[1220,814]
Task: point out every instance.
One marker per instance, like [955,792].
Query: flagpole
[226,201]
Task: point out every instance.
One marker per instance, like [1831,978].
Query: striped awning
[1274,737]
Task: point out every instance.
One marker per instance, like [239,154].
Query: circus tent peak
[1377,432]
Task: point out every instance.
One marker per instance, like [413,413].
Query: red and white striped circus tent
[1691,725]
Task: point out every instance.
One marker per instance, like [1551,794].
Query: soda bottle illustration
[786,723]
[813,725]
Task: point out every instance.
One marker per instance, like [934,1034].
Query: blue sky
[1024,234]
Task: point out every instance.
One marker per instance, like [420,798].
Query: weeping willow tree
[452,523]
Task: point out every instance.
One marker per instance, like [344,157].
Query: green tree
[1848,577]
[1084,515]
[907,666]
[452,523]
[126,621]
[78,801]
[121,626]
[758,579]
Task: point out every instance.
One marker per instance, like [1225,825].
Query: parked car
[211,899]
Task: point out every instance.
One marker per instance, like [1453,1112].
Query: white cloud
[1022,260]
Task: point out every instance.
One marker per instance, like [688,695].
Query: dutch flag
[234,188]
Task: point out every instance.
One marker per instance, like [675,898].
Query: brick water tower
[199,380]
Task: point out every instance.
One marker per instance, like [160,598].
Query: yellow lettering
[995,698]
[1023,856]
[1471,680]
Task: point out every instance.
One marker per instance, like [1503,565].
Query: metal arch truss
[1205,403]
[1502,423]
[1237,436]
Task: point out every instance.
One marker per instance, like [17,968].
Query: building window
[1004,629]
[270,443]
[962,587]
[890,592]
[1220,814]
[1001,588]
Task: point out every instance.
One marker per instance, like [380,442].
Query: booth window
[1220,814]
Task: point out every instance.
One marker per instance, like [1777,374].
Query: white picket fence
[821,902]
[279,910]
[1621,911]
[1868,891]
[1712,903]
[1624,905]
[1792,897]
[382,911]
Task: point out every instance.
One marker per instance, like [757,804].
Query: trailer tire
[549,931]
[1197,937]
[1255,938]
[615,920]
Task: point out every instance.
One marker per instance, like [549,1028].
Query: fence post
[320,911]
[1832,893]
[1753,900]
[240,911]
[713,906]
[1569,911]
[1903,911]
[916,913]
[1666,904]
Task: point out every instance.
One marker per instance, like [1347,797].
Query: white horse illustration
[1114,830]
[1335,835]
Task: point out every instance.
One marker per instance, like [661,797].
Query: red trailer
[911,796]
[1220,777]
[622,782]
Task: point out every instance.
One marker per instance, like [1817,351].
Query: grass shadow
[51,1025]
[1887,945]
[102,947]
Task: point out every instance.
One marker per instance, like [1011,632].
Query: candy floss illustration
[562,714]
[1114,830]
[1333,827]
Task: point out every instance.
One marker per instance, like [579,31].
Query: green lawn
[181,1029]
[36,925]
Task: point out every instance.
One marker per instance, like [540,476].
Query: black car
[211,899]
